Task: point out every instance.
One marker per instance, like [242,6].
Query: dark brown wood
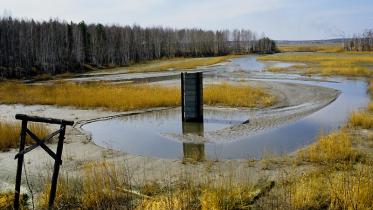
[22,142]
[57,166]
[45,139]
[43,120]
[40,142]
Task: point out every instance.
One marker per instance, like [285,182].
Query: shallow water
[150,134]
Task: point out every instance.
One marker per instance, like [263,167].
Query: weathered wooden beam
[57,164]
[43,119]
[22,142]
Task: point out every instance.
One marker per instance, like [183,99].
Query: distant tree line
[29,47]
[360,42]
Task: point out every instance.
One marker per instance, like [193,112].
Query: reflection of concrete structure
[193,128]
[193,151]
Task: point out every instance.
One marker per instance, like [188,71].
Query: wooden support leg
[22,143]
[57,164]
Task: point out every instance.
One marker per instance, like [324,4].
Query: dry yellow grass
[121,97]
[174,64]
[9,134]
[237,96]
[348,188]
[105,185]
[98,188]
[205,197]
[326,64]
[352,189]
[361,119]
[124,97]
[310,48]
[7,199]
[309,192]
[333,147]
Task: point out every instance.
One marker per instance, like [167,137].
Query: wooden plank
[57,164]
[43,120]
[22,142]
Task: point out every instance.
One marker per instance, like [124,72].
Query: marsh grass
[179,64]
[120,97]
[108,185]
[309,192]
[326,64]
[7,199]
[172,64]
[310,48]
[346,187]
[124,97]
[362,119]
[9,134]
[334,147]
[98,187]
[237,96]
[352,189]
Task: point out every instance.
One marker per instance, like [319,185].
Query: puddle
[150,134]
[150,130]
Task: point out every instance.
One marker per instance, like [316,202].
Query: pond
[152,133]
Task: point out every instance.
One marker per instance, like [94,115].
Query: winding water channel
[150,134]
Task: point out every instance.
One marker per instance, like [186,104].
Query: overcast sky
[278,19]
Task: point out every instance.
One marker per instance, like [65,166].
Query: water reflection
[193,151]
[193,128]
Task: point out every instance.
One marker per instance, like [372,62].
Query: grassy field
[124,97]
[106,185]
[311,47]
[9,134]
[172,64]
[326,64]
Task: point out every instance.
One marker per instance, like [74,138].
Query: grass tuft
[98,188]
[333,147]
[361,119]
[352,189]
[9,134]
[7,199]
[237,96]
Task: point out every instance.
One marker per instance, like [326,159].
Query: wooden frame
[39,142]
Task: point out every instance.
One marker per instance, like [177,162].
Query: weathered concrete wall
[192,97]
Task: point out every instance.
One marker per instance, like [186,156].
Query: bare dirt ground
[294,102]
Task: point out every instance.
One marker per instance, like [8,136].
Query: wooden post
[22,142]
[40,142]
[57,164]
[192,97]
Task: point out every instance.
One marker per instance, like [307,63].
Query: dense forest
[29,47]
[360,42]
